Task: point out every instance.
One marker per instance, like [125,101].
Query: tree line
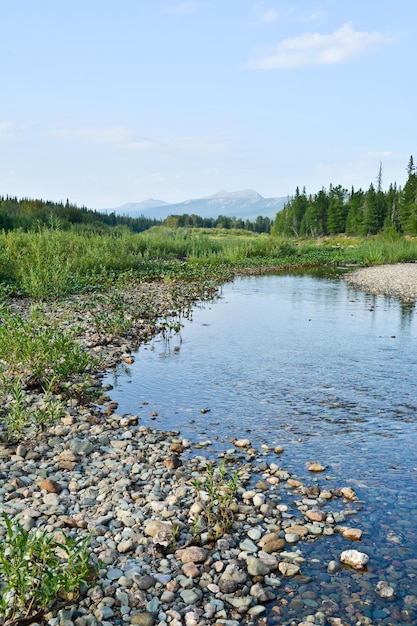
[27,214]
[354,212]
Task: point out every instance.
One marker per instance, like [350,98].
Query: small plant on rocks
[217,493]
[39,574]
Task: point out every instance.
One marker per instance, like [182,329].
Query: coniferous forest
[330,211]
[353,212]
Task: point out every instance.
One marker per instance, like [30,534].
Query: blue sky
[112,101]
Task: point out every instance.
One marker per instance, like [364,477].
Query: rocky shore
[135,490]
[399,280]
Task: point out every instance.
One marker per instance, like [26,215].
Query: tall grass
[50,263]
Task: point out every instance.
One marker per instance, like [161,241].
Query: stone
[272,543]
[193,554]
[315,515]
[143,619]
[315,467]
[232,579]
[384,590]
[256,567]
[298,529]
[190,570]
[354,558]
[51,486]
[172,462]
[189,596]
[333,567]
[242,443]
[81,446]
[247,545]
[288,569]
[154,526]
[353,534]
[348,493]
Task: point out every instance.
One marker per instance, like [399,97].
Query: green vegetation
[353,212]
[37,352]
[217,495]
[38,572]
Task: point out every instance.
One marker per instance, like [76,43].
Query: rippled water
[330,373]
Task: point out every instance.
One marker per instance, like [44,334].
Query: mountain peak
[248,194]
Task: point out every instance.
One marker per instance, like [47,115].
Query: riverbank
[399,280]
[134,489]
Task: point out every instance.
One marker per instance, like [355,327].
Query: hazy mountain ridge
[245,204]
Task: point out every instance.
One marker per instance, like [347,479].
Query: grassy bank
[51,263]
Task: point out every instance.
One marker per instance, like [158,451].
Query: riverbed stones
[114,482]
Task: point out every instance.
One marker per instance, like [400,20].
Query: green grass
[51,263]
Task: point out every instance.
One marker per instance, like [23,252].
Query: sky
[105,102]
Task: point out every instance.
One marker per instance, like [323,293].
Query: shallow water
[306,362]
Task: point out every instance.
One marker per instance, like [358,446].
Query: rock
[384,590]
[190,570]
[172,462]
[292,482]
[333,567]
[297,529]
[232,579]
[51,486]
[242,443]
[272,542]
[355,559]
[314,515]
[81,446]
[190,596]
[145,581]
[353,534]
[256,567]
[315,467]
[192,554]
[143,619]
[247,545]
[288,569]
[154,526]
[348,493]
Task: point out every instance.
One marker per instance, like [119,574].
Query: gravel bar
[399,280]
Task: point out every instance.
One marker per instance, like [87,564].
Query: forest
[327,212]
[355,212]
[27,214]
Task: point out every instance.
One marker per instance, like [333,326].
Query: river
[305,362]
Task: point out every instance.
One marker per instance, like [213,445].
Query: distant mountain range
[247,204]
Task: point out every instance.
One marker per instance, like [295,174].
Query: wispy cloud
[268,16]
[183,8]
[119,136]
[316,49]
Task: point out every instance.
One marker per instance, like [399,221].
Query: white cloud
[183,8]
[316,49]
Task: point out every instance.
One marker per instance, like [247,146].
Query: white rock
[354,558]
